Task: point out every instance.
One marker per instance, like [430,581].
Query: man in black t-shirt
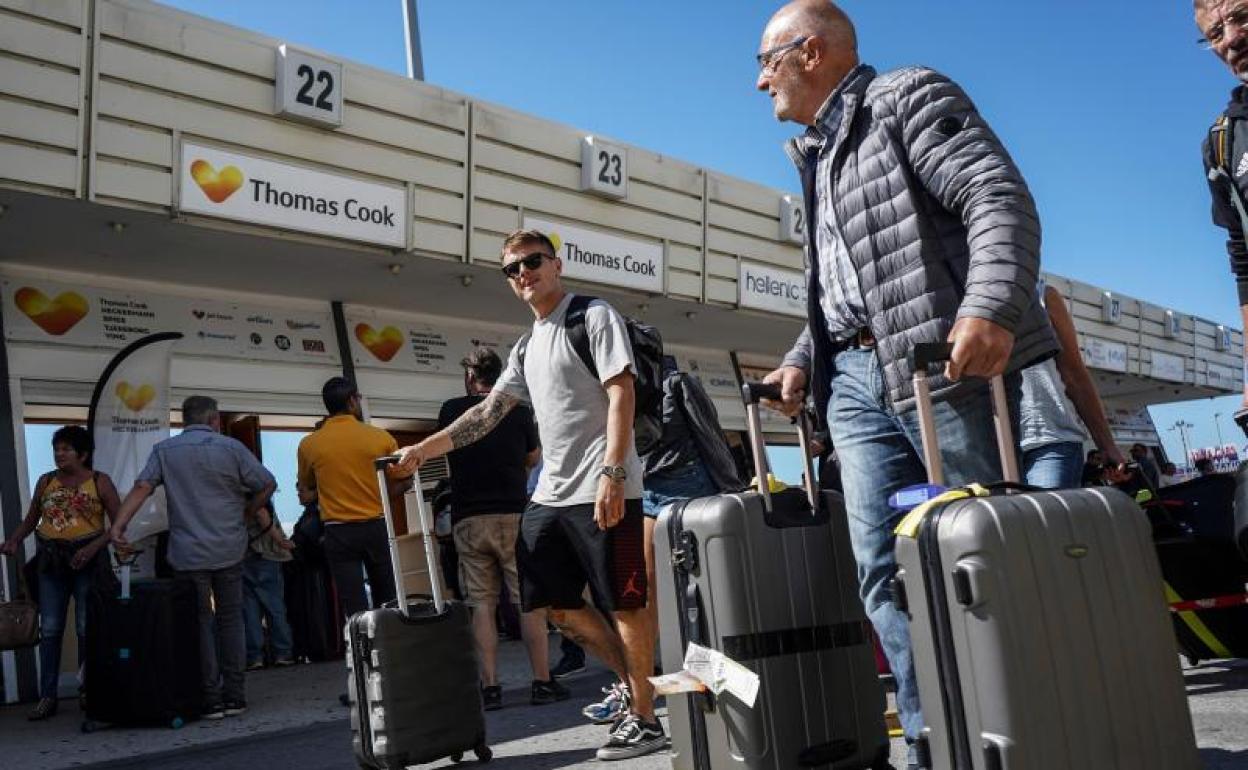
[488,492]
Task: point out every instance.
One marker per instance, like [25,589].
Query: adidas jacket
[1230,177]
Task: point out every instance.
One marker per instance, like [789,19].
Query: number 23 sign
[604,168]
[309,88]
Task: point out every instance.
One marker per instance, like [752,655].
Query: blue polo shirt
[207,477]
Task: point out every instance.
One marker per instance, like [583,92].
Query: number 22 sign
[309,88]
[604,168]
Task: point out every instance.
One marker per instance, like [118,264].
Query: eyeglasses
[531,262]
[1216,35]
[767,60]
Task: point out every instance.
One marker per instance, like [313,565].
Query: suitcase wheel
[457,757]
[483,752]
[89,726]
[176,723]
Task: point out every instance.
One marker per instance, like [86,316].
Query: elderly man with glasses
[1223,27]
[584,525]
[921,229]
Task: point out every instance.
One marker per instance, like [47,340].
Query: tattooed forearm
[473,424]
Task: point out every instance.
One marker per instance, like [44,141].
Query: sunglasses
[531,262]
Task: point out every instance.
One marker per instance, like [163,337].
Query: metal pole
[415,61]
[1217,425]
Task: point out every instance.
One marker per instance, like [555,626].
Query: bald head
[808,47]
[821,18]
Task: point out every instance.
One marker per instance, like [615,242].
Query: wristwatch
[614,472]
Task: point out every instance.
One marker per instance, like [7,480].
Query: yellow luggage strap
[1193,622]
[909,525]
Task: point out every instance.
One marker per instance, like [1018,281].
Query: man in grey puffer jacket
[922,230]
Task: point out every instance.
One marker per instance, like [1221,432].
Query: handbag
[19,618]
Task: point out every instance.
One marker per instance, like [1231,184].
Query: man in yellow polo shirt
[336,461]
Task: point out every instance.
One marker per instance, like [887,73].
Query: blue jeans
[674,485]
[264,593]
[54,592]
[1054,466]
[880,453]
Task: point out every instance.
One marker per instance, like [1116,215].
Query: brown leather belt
[861,339]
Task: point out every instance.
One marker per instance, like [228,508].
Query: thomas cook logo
[135,398]
[555,241]
[55,315]
[217,185]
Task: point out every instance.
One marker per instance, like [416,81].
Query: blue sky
[1103,105]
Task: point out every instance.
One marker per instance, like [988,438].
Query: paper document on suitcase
[721,673]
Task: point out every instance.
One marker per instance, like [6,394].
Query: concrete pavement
[294,720]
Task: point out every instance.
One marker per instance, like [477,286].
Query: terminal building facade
[296,215]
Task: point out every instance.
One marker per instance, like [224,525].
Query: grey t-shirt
[207,477]
[570,404]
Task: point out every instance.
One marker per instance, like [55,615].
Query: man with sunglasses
[921,229]
[584,525]
[1223,27]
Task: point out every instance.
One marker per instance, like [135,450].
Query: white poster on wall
[1168,367]
[247,188]
[379,341]
[775,289]
[590,255]
[1104,354]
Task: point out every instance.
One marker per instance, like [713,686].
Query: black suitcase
[142,661]
[1205,589]
[412,674]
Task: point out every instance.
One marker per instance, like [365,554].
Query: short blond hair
[521,237]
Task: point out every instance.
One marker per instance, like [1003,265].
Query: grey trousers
[222,639]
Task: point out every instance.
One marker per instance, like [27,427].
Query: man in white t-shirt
[584,523]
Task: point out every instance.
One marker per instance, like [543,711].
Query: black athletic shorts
[561,549]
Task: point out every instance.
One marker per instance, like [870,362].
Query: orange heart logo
[217,185]
[54,316]
[135,398]
[382,344]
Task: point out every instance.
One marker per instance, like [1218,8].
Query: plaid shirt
[840,296]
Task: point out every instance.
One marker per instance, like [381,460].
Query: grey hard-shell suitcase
[770,581]
[1039,624]
[412,675]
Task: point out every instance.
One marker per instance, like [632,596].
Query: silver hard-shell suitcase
[1038,623]
[769,580]
[412,674]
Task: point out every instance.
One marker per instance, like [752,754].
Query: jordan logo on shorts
[630,588]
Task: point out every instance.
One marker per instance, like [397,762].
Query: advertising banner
[589,255]
[1103,354]
[129,415]
[232,185]
[379,341]
[46,311]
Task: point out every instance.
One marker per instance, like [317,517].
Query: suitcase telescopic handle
[381,464]
[752,393]
[922,356]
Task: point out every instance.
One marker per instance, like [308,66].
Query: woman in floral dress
[67,514]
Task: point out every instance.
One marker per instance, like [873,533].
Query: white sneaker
[610,708]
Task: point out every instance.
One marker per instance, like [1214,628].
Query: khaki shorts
[486,544]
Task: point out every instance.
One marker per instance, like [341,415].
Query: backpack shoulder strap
[578,335]
[1220,135]
[522,347]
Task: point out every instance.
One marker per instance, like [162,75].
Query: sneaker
[232,708]
[568,665]
[548,692]
[633,737]
[212,711]
[610,708]
[492,697]
[255,665]
[45,708]
[284,662]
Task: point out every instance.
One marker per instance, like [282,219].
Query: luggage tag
[915,495]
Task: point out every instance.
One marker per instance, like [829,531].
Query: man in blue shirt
[213,485]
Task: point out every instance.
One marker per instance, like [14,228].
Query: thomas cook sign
[590,255]
[230,185]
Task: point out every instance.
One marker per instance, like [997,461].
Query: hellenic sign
[225,184]
[775,289]
[589,255]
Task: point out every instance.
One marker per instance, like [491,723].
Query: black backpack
[647,346]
